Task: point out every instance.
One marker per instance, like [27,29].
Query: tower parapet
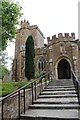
[66,35]
[61,37]
[73,35]
[48,38]
[25,24]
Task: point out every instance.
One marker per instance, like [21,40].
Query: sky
[51,16]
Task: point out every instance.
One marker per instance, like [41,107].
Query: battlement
[25,24]
[61,35]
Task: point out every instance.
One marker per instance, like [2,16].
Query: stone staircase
[57,102]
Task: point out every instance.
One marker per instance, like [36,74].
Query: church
[60,55]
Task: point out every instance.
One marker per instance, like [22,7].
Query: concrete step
[58,92]
[59,89]
[46,118]
[55,106]
[57,102]
[61,83]
[62,80]
[49,114]
[52,87]
[58,96]
[60,100]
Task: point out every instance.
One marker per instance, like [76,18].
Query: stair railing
[33,84]
[76,85]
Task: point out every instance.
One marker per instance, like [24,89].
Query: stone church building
[60,55]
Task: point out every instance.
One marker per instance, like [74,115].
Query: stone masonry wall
[10,107]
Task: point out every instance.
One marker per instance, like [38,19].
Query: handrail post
[2,109]
[41,86]
[46,83]
[24,100]
[19,105]
[32,93]
[35,91]
[48,76]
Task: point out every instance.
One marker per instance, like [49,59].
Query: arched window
[42,64]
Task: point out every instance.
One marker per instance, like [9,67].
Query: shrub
[7,88]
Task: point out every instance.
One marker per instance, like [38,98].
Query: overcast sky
[51,16]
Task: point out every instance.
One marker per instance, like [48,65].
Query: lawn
[9,87]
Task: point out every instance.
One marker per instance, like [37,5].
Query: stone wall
[79,64]
[10,107]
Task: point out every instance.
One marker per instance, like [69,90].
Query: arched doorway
[64,71]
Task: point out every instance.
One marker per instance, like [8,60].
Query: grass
[9,87]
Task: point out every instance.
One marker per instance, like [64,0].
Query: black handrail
[76,85]
[33,84]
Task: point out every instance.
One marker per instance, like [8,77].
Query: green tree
[29,58]
[3,72]
[11,12]
[3,58]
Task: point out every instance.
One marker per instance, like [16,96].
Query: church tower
[21,38]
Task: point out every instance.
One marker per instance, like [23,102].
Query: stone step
[60,100]
[55,106]
[57,102]
[58,96]
[61,83]
[57,89]
[51,87]
[63,80]
[50,114]
[57,92]
[54,87]
[51,102]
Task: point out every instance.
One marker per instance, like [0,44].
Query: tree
[3,72]
[29,58]
[11,12]
[3,58]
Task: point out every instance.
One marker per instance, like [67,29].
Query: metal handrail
[33,84]
[76,85]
